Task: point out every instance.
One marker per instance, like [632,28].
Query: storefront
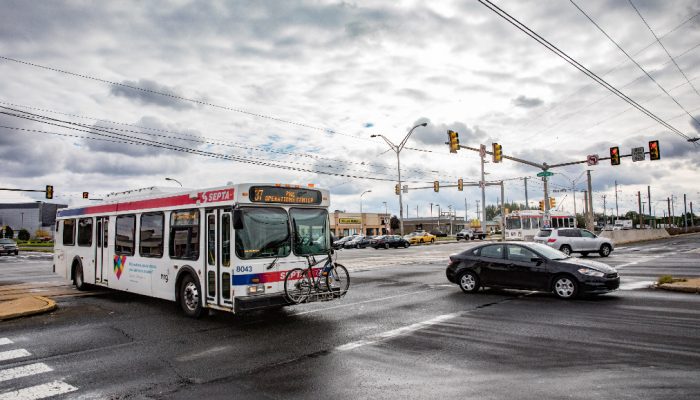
[371,224]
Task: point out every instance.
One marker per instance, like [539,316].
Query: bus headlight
[256,289]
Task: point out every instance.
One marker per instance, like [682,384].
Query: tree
[8,232]
[23,235]
[394,223]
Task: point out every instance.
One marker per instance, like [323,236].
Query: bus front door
[218,263]
[101,250]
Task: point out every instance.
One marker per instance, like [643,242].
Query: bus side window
[85,232]
[68,232]
[126,235]
[184,234]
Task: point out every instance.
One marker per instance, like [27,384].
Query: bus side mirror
[333,238]
[237,219]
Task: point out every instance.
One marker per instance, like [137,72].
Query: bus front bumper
[251,303]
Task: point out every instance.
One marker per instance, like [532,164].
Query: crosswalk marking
[25,370]
[5,341]
[39,391]
[12,354]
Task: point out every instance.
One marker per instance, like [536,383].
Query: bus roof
[156,198]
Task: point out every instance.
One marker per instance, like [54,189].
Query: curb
[682,289]
[49,305]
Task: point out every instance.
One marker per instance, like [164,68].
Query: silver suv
[574,240]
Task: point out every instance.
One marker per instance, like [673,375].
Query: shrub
[23,235]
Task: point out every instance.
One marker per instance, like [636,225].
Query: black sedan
[530,266]
[387,241]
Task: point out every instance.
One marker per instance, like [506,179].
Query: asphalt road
[401,332]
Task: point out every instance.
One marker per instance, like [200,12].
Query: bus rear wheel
[191,297]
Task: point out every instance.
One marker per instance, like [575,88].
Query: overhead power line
[658,40]
[634,61]
[522,27]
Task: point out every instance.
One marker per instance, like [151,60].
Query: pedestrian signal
[615,155]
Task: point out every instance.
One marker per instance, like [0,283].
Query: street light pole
[174,180]
[397,149]
[362,216]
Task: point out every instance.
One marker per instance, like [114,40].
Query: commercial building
[29,216]
[344,224]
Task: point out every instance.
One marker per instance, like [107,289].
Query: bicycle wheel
[297,285]
[338,280]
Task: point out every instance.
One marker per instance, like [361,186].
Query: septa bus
[524,224]
[226,248]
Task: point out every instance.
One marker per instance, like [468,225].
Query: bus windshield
[311,231]
[513,223]
[265,233]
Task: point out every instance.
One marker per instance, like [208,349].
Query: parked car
[531,266]
[575,240]
[357,242]
[338,244]
[420,237]
[387,241]
[438,233]
[8,246]
[470,234]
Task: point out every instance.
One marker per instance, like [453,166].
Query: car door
[522,271]
[491,265]
[573,236]
[589,241]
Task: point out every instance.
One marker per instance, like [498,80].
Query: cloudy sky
[109,96]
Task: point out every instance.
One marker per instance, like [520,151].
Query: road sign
[638,154]
[545,173]
[482,184]
[405,188]
[482,150]
[592,159]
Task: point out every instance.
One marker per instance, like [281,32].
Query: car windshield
[547,251]
[7,241]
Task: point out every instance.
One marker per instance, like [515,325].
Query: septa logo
[216,195]
[119,264]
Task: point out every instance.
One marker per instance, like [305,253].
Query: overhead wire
[522,27]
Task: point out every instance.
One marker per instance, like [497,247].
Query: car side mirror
[237,219]
[537,260]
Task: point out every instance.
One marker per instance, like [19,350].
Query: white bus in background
[226,248]
[524,224]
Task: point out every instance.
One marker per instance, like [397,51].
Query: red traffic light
[615,155]
[654,153]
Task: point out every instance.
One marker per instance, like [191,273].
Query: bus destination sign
[282,195]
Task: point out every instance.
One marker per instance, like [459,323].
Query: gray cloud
[436,134]
[150,94]
[527,102]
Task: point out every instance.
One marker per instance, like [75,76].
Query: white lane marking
[39,391]
[636,285]
[12,354]
[397,332]
[25,370]
[5,341]
[363,302]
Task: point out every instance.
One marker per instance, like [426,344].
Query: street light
[397,149]
[362,218]
[174,180]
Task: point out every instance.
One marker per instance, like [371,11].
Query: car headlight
[591,272]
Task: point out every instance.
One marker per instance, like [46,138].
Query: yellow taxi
[420,237]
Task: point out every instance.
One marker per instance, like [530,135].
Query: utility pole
[692,216]
[649,199]
[527,204]
[503,214]
[639,202]
[617,209]
[589,223]
[478,212]
[466,207]
[685,213]
[585,205]
[605,216]
[482,153]
[668,202]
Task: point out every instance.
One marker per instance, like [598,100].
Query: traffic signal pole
[482,184]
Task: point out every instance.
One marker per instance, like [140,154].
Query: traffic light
[460,185]
[654,153]
[85,195]
[436,186]
[453,137]
[497,152]
[615,155]
[541,205]
[397,189]
[552,203]
[49,191]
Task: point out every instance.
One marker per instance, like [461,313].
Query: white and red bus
[524,224]
[226,248]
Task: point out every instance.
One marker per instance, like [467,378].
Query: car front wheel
[605,250]
[469,282]
[565,287]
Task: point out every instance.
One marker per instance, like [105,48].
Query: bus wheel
[190,297]
[79,278]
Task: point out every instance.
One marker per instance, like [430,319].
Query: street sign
[545,173]
[482,151]
[482,184]
[592,159]
[405,188]
[638,154]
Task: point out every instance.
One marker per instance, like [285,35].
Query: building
[30,216]
[371,224]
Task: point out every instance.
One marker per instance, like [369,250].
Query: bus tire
[190,295]
[79,277]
